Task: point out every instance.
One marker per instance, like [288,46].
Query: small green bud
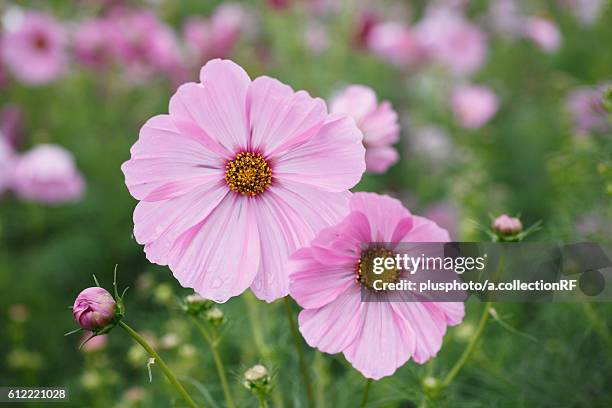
[257,380]
[195,305]
[606,99]
[215,317]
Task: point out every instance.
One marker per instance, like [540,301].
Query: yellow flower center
[248,174]
[365,268]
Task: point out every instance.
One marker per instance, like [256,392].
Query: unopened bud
[506,226]
[215,317]
[257,380]
[95,309]
[195,304]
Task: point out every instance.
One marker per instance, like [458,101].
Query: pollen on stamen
[248,174]
[364,269]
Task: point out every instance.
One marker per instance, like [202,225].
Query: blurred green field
[528,159]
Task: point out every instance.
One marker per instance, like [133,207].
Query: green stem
[366,391]
[162,365]
[467,353]
[484,318]
[214,344]
[262,349]
[298,346]
[262,401]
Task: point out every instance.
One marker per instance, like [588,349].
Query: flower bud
[95,309]
[257,379]
[215,317]
[196,304]
[504,225]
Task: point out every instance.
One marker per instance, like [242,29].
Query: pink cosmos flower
[316,37]
[95,42]
[34,49]
[378,122]
[395,43]
[586,108]
[474,105]
[379,336]
[144,44]
[47,174]
[451,40]
[217,36]
[586,11]
[543,32]
[239,175]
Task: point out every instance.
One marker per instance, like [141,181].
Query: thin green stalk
[366,391]
[214,344]
[162,365]
[484,318]
[262,401]
[262,349]
[298,346]
[467,353]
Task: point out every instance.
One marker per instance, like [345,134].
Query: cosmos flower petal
[381,126]
[309,287]
[220,256]
[332,160]
[281,118]
[429,325]
[383,212]
[356,101]
[159,224]
[288,217]
[379,159]
[333,327]
[454,312]
[166,163]
[385,342]
[221,111]
[424,230]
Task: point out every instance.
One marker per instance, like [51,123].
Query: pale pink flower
[316,38]
[474,105]
[144,44]
[376,336]
[395,43]
[216,36]
[239,175]
[505,18]
[47,174]
[452,41]
[586,109]
[95,42]
[34,49]
[586,11]
[378,122]
[445,215]
[543,32]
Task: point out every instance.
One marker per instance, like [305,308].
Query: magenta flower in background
[94,308]
[34,48]
[366,21]
[47,174]
[95,42]
[145,45]
[395,43]
[586,109]
[473,105]
[216,36]
[378,122]
[452,41]
[543,32]
[239,175]
[11,124]
[379,336]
